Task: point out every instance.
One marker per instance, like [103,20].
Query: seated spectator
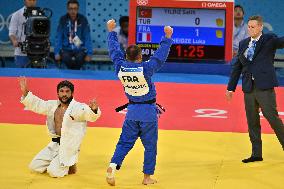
[122,31]
[73,44]
[240,28]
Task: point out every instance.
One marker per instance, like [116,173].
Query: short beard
[67,101]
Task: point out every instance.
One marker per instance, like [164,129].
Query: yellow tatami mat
[189,160]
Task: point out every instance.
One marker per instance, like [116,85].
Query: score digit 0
[197,21]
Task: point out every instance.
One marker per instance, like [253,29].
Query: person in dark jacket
[255,62]
[73,45]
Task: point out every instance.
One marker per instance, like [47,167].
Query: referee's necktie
[251,49]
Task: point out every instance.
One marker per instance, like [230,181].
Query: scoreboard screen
[200,33]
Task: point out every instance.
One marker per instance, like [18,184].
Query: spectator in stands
[73,45]
[122,31]
[240,28]
[17,35]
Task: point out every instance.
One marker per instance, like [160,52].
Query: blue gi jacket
[136,78]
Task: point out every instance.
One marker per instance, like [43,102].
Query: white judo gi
[54,158]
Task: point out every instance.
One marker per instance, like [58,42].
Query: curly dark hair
[65,83]
[123,19]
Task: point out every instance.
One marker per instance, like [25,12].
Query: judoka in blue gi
[142,115]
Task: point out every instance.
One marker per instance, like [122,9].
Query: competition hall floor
[202,138]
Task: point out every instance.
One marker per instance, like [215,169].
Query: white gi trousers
[48,160]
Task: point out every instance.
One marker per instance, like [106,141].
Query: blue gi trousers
[148,133]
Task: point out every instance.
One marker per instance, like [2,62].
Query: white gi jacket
[73,126]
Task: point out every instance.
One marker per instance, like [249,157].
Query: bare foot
[72,169]
[110,178]
[148,180]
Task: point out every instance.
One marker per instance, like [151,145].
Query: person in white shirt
[17,35]
[240,28]
[122,32]
[66,122]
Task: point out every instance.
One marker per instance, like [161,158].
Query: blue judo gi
[141,119]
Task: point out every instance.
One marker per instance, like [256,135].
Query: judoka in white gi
[66,122]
